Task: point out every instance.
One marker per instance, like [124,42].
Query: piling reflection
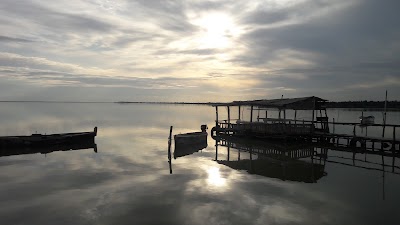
[89,144]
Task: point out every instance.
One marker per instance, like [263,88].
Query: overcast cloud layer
[192,50]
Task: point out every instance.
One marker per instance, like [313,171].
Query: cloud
[305,47]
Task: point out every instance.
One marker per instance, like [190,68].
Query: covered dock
[274,127]
[315,129]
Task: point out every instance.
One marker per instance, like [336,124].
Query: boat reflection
[188,149]
[87,144]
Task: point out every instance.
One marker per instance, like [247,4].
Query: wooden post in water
[333,125]
[251,113]
[394,148]
[295,116]
[169,150]
[229,151]
[229,117]
[384,117]
[239,112]
[394,139]
[313,114]
[284,114]
[216,116]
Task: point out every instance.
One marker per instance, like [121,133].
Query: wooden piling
[251,113]
[384,117]
[169,150]
[284,114]
[216,116]
[313,112]
[239,112]
[333,125]
[229,151]
[229,118]
[394,139]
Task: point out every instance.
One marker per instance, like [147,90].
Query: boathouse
[315,129]
[268,127]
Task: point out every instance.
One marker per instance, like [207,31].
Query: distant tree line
[364,104]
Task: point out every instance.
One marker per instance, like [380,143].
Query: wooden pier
[315,130]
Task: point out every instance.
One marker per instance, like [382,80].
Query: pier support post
[229,118]
[229,151]
[169,150]
[239,113]
[251,113]
[394,139]
[216,116]
[384,117]
[313,113]
[284,114]
[295,116]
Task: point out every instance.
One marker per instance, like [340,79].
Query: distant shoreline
[351,105]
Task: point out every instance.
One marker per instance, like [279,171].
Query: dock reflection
[7,151]
[296,161]
[273,159]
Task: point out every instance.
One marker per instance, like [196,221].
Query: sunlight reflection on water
[214,177]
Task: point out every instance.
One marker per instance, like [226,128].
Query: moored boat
[367,120]
[40,140]
[192,137]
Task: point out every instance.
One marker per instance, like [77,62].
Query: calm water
[128,180]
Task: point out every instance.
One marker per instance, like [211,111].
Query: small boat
[367,120]
[191,138]
[45,140]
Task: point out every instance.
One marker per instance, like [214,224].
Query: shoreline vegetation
[354,105]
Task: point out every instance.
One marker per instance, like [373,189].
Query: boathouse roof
[304,103]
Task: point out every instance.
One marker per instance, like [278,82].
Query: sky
[199,51]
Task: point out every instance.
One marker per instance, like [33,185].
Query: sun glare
[214,177]
[218,30]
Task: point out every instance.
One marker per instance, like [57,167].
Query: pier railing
[266,128]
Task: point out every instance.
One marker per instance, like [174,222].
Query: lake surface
[128,180]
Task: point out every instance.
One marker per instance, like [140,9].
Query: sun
[218,30]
